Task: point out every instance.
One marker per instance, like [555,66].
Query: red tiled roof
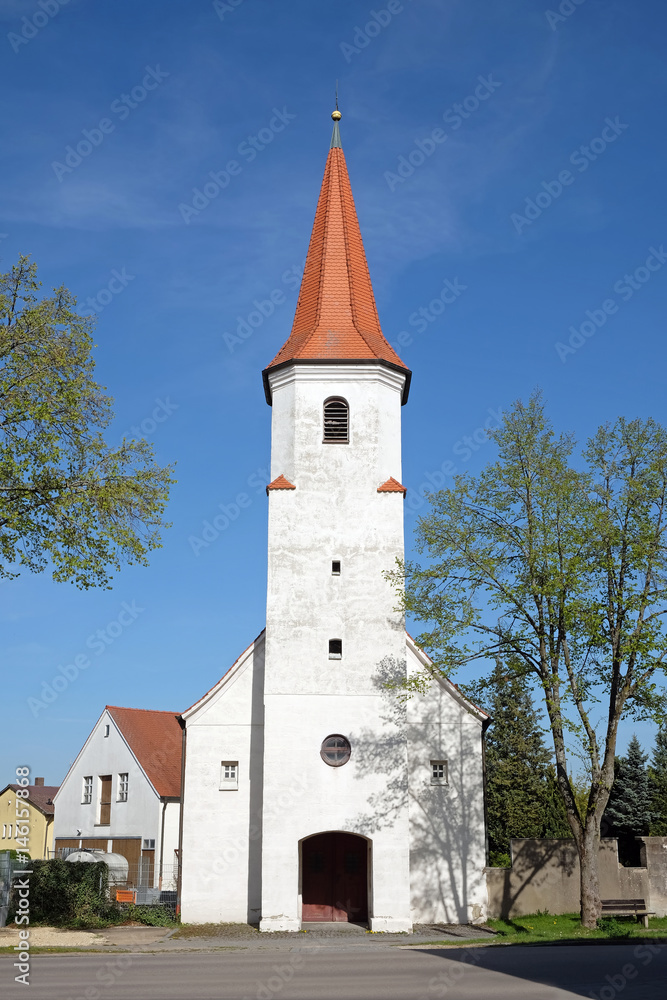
[336,316]
[392,486]
[40,796]
[280,484]
[156,740]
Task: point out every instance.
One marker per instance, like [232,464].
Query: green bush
[66,893]
[498,859]
[613,928]
[155,916]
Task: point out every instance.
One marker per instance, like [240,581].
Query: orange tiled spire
[336,317]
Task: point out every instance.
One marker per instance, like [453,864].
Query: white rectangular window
[4,831]
[149,845]
[122,786]
[229,774]
[10,831]
[87,796]
[439,772]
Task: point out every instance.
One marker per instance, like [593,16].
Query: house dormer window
[336,421]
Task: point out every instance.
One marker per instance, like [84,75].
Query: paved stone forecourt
[141,938]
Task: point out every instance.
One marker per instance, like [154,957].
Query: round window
[335,750]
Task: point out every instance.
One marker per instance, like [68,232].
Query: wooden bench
[627,908]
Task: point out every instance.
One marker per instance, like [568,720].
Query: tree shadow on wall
[447,831]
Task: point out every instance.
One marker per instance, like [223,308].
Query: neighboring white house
[122,793]
[312,790]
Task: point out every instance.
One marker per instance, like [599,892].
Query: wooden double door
[334,878]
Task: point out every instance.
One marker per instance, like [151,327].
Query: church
[314,789]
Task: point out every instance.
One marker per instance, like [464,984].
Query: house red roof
[336,317]
[392,486]
[280,484]
[156,740]
[40,796]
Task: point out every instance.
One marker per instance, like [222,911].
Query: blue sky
[164,95]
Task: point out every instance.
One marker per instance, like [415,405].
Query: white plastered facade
[241,846]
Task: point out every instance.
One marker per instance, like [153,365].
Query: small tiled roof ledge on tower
[336,317]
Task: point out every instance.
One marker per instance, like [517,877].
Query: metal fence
[9,867]
[141,883]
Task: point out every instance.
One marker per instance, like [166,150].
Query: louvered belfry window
[336,421]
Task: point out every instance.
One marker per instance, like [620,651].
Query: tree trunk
[589,878]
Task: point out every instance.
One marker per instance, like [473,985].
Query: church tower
[312,791]
[336,389]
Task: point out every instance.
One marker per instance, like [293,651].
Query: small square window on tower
[335,567]
[335,649]
[439,772]
[229,774]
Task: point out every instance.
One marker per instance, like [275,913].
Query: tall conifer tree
[521,795]
[657,774]
[628,812]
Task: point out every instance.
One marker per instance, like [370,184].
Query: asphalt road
[632,972]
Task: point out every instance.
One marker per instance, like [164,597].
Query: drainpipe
[181,722]
[164,809]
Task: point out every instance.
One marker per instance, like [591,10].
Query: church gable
[237,697]
[442,702]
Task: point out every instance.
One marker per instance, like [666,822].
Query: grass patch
[546,928]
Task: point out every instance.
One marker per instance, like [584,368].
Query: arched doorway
[334,877]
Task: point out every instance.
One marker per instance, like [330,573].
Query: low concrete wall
[655,859]
[545,876]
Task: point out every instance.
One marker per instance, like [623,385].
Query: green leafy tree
[67,499]
[559,567]
[657,774]
[628,812]
[520,786]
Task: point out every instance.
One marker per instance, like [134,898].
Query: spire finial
[336,115]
